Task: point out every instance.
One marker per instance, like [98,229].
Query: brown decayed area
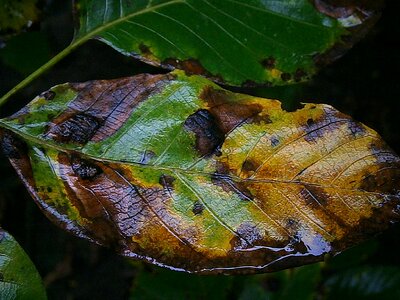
[191,66]
[221,116]
[102,107]
[22,165]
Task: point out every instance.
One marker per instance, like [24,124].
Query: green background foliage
[363,84]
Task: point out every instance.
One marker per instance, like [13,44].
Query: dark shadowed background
[364,84]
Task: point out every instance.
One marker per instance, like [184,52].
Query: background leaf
[231,41]
[181,173]
[18,276]
[17,15]
[369,282]
[16,56]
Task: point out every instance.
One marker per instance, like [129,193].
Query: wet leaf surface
[176,171]
[234,42]
[18,276]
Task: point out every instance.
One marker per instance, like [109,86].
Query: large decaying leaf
[18,276]
[238,42]
[181,173]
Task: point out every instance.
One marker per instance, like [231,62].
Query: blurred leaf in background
[18,276]
[26,52]
[16,16]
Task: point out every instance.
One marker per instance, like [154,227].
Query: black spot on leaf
[268,63]
[299,75]
[208,134]
[78,129]
[286,76]
[197,208]
[84,169]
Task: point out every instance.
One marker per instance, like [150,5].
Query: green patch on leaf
[18,276]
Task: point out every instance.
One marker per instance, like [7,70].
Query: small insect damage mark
[11,146]
[79,129]
[48,95]
[84,169]
[208,134]
[269,62]
[198,208]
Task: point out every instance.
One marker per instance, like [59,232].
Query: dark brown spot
[48,95]
[386,180]
[167,181]
[84,169]
[268,63]
[229,112]
[144,49]
[299,75]
[198,208]
[286,76]
[291,106]
[208,134]
[310,122]
[49,189]
[11,145]
[249,165]
[80,128]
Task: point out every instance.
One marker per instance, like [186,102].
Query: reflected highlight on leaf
[176,171]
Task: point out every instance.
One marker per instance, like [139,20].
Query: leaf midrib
[36,140]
